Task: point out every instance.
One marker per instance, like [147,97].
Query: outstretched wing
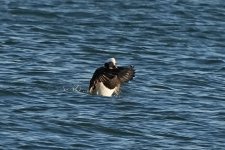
[108,78]
[126,74]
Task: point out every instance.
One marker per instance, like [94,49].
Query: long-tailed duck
[106,80]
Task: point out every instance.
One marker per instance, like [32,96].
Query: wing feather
[111,78]
[106,76]
[126,74]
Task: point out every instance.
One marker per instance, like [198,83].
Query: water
[49,50]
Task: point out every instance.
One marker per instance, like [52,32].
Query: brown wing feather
[111,77]
[107,76]
[126,74]
[95,78]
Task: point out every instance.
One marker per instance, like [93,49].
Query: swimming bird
[106,80]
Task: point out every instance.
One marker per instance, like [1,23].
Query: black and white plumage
[106,80]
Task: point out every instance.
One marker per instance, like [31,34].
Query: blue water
[50,49]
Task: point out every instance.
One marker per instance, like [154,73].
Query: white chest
[102,90]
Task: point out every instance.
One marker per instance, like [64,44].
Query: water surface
[49,50]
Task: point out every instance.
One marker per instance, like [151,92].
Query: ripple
[33,12]
[211,61]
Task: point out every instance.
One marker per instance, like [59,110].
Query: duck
[107,80]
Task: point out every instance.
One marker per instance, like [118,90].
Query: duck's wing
[107,77]
[125,74]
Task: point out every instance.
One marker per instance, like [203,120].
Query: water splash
[75,88]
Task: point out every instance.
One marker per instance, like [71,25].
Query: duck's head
[110,63]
